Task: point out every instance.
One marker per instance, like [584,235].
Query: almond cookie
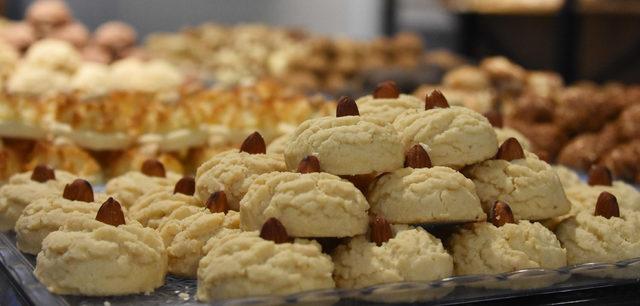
[404,254]
[243,264]
[347,144]
[453,136]
[568,177]
[46,215]
[233,171]
[528,184]
[128,187]
[309,205]
[420,193]
[184,235]
[93,258]
[505,246]
[154,207]
[505,133]
[278,145]
[384,108]
[605,233]
[25,188]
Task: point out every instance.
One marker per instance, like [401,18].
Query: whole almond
[153,167]
[600,175]
[435,99]
[495,118]
[309,164]
[386,90]
[43,173]
[379,230]
[607,206]
[254,144]
[510,150]
[347,107]
[78,190]
[111,213]
[417,157]
[274,230]
[501,214]
[217,202]
[186,185]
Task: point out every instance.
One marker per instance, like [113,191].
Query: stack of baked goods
[339,203]
[577,126]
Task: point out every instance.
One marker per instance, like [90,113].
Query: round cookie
[130,186]
[233,171]
[420,194]
[278,145]
[453,136]
[154,207]
[24,188]
[242,264]
[486,249]
[184,237]
[385,110]
[505,133]
[91,258]
[347,144]
[410,254]
[528,184]
[602,236]
[309,205]
[568,178]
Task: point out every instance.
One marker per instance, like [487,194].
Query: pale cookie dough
[584,197]
[153,208]
[278,145]
[412,255]
[243,264]
[385,110]
[185,237]
[453,137]
[590,238]
[233,172]
[46,215]
[487,249]
[505,133]
[568,177]
[20,191]
[530,186]
[347,145]
[425,195]
[130,186]
[91,258]
[308,205]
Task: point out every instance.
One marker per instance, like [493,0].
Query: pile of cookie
[339,203]
[578,125]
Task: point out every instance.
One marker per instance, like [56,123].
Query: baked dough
[505,133]
[487,249]
[233,172]
[185,236]
[568,177]
[91,258]
[278,145]
[154,207]
[308,205]
[530,186]
[453,136]
[584,197]
[385,110]
[425,195]
[130,186]
[20,191]
[46,215]
[590,238]
[412,255]
[241,264]
[348,145]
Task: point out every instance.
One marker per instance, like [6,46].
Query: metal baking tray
[449,291]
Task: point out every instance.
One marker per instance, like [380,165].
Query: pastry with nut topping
[530,186]
[421,193]
[25,188]
[272,264]
[386,103]
[104,254]
[233,171]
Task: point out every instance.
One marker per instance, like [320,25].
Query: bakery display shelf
[450,291]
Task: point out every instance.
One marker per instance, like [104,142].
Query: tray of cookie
[394,199]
